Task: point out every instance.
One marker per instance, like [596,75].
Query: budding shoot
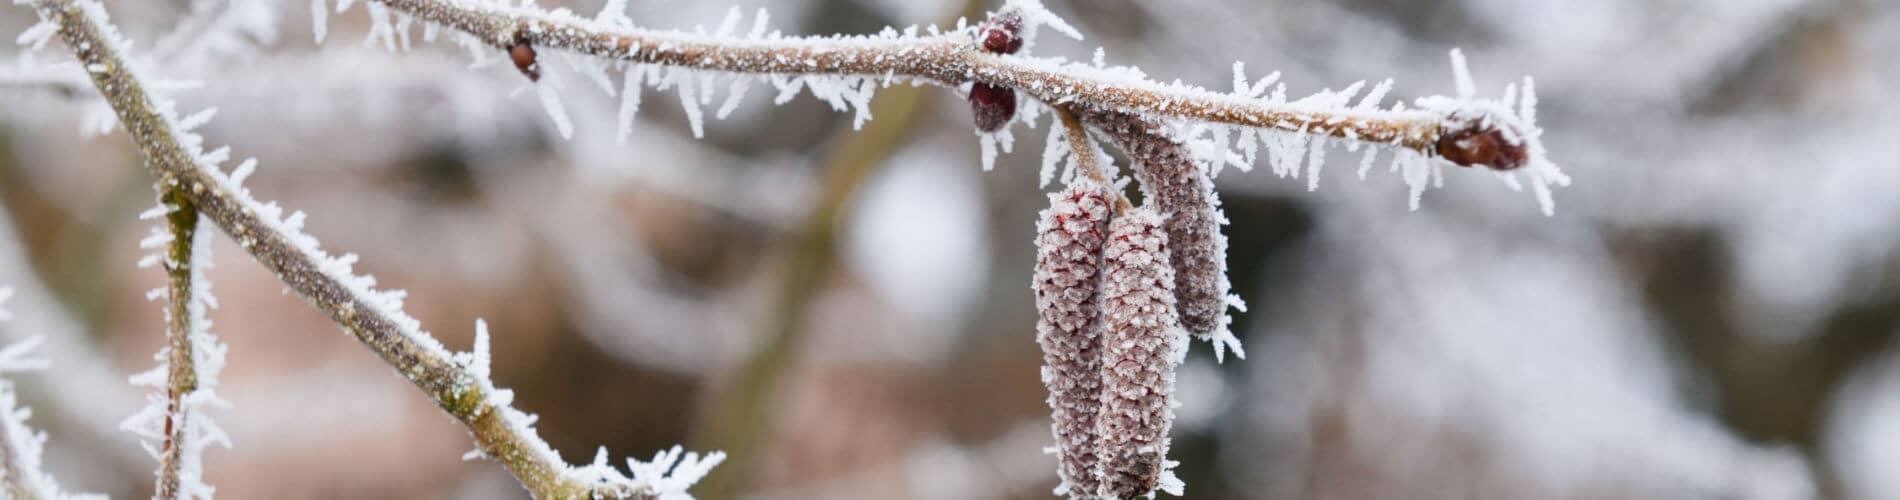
[1002,33]
[1471,142]
[522,53]
[993,106]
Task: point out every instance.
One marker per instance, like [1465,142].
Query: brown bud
[993,106]
[522,53]
[1142,343]
[1469,141]
[1069,240]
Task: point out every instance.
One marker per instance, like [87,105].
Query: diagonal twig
[457,383]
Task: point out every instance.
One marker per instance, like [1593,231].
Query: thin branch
[181,378]
[456,383]
[1461,130]
[950,58]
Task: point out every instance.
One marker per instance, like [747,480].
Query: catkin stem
[1085,155]
[1081,147]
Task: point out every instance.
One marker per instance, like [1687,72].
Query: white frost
[24,445]
[319,19]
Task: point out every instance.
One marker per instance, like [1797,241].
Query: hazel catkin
[1069,239]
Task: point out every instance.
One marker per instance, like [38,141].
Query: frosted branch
[457,383]
[953,58]
[21,446]
[191,359]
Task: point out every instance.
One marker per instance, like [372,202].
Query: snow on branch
[21,446]
[459,383]
[845,69]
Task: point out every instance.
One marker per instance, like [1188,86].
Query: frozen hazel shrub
[1120,289]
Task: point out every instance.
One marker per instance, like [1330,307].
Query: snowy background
[1709,314]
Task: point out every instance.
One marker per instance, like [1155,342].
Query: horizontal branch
[950,58]
[458,384]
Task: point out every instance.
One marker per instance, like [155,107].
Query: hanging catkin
[1179,189]
[1069,240]
[1142,343]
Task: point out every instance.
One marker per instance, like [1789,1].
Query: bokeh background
[1709,314]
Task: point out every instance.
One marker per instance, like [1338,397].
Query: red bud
[993,106]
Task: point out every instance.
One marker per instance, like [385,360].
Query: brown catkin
[1069,240]
[1180,189]
[1142,343]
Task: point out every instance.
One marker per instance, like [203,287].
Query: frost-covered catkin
[1069,241]
[1142,344]
[1177,186]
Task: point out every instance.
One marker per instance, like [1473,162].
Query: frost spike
[1461,75]
[629,102]
[1055,148]
[551,101]
[1069,238]
[1142,343]
[690,101]
[319,19]
[758,24]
